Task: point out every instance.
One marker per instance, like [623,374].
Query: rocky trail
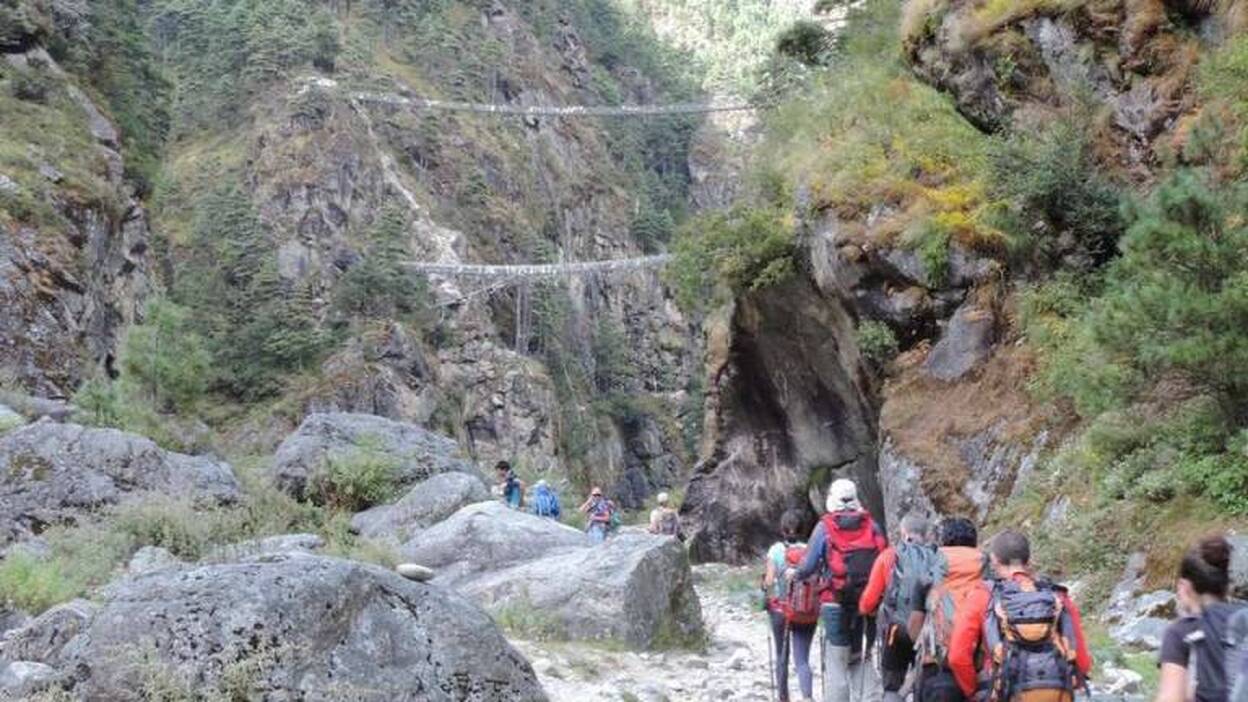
[733,666]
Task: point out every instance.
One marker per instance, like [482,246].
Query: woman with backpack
[1195,661]
[600,512]
[788,625]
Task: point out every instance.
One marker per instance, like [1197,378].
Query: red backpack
[802,598]
[853,544]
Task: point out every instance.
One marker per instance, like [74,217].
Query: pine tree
[379,287]
[164,359]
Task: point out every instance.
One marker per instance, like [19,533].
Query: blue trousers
[801,638]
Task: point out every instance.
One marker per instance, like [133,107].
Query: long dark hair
[1207,566]
[791,525]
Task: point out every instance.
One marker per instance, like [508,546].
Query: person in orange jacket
[892,590]
[1017,591]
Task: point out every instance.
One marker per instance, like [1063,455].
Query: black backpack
[915,565]
[1213,665]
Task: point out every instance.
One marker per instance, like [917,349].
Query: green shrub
[31,584]
[806,41]
[877,342]
[356,479]
[746,248]
[164,359]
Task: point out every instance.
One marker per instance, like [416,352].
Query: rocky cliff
[75,259]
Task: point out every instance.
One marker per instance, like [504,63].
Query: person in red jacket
[975,635]
[892,591]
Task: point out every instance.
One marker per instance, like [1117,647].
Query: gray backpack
[915,565]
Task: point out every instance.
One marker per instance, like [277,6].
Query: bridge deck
[544,270]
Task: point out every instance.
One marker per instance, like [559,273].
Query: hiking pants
[597,532]
[896,657]
[801,637]
[848,675]
[937,684]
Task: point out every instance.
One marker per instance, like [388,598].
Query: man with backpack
[545,501]
[959,571]
[509,486]
[845,544]
[663,519]
[1025,632]
[793,607]
[895,584]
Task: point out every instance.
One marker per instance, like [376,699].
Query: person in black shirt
[1192,653]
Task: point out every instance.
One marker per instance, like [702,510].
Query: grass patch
[520,618]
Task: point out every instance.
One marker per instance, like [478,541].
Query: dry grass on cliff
[926,417]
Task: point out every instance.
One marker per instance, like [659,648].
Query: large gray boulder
[966,343]
[488,536]
[1239,565]
[636,589]
[289,627]
[55,473]
[10,419]
[417,453]
[426,504]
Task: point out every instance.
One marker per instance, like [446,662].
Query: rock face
[789,409]
[1239,565]
[636,589]
[1125,55]
[54,473]
[417,453]
[966,343]
[426,504]
[268,546]
[292,627]
[72,278]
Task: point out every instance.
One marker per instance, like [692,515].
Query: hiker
[1194,663]
[509,486]
[793,608]
[959,571]
[846,543]
[600,512]
[664,519]
[545,501]
[1025,630]
[896,581]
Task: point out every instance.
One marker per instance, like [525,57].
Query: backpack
[545,503]
[1214,664]
[913,566]
[802,598]
[617,520]
[853,544]
[1031,641]
[1237,664]
[958,573]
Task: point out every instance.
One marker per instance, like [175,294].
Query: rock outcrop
[635,589]
[284,627]
[75,274]
[322,438]
[429,502]
[56,473]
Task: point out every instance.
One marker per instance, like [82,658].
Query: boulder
[22,679]
[321,438]
[43,638]
[1239,566]
[293,627]
[10,419]
[1120,681]
[55,473]
[636,589]
[488,536]
[268,546]
[1141,634]
[12,619]
[150,559]
[966,343]
[426,504]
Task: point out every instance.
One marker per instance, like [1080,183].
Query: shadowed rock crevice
[791,408]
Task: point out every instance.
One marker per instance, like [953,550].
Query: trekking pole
[771,662]
[862,663]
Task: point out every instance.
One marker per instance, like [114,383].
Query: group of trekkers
[936,618]
[603,518]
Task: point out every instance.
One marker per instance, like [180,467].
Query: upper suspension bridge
[681,108]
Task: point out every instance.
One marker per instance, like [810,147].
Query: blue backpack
[545,502]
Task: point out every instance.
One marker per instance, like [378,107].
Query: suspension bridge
[542,271]
[683,108]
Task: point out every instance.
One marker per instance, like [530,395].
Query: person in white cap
[663,518]
[845,544]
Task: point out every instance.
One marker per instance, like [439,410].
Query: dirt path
[733,668]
